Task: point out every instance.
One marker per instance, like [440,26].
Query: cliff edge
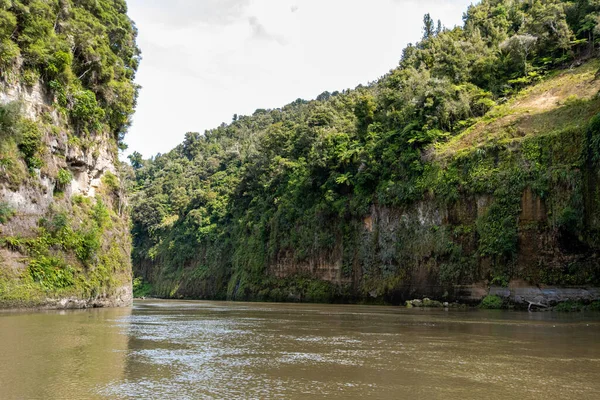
[66,95]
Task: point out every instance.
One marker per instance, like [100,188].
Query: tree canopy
[83,52]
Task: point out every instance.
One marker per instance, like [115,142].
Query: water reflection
[224,350]
[60,355]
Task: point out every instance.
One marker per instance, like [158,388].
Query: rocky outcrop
[104,280]
[120,297]
[412,249]
[522,293]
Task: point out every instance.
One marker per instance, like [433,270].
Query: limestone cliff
[66,93]
[39,197]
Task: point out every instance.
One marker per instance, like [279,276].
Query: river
[197,350]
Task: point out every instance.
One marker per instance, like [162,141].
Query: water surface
[196,350]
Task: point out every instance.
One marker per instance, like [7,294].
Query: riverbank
[119,298]
[509,298]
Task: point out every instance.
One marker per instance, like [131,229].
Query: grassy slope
[563,101]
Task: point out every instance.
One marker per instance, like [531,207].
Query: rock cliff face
[67,91]
[83,261]
[402,254]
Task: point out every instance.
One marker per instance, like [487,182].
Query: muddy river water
[205,350]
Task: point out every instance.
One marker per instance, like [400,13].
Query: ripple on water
[207,350]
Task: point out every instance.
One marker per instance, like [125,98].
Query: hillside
[66,95]
[472,165]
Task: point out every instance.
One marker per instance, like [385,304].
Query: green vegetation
[577,306]
[21,147]
[456,167]
[141,288]
[30,144]
[83,56]
[84,52]
[464,125]
[6,212]
[425,303]
[76,252]
[63,179]
[492,302]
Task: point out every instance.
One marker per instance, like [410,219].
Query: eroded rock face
[37,196]
[411,245]
[525,294]
[34,99]
[121,297]
[327,267]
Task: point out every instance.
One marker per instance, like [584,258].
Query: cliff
[471,168]
[509,207]
[66,94]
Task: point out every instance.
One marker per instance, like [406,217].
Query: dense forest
[67,92]
[280,205]
[83,51]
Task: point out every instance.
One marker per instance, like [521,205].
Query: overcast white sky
[205,60]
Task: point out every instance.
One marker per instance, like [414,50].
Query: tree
[428,27]
[136,160]
[520,47]
[591,27]
[546,20]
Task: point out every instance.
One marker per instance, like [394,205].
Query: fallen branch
[531,303]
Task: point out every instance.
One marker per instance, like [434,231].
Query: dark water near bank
[190,350]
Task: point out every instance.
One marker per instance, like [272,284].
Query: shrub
[569,306]
[498,232]
[9,54]
[86,245]
[594,306]
[6,212]
[100,213]
[319,292]
[86,113]
[52,273]
[30,143]
[492,302]
[593,132]
[141,288]
[13,243]
[111,181]
[31,77]
[9,120]
[64,177]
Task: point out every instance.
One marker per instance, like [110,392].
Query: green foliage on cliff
[594,139]
[6,212]
[492,302]
[219,215]
[78,251]
[83,52]
[21,138]
[64,177]
[80,56]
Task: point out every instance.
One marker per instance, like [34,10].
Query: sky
[205,60]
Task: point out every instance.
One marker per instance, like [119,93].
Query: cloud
[205,60]
[259,32]
[181,13]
